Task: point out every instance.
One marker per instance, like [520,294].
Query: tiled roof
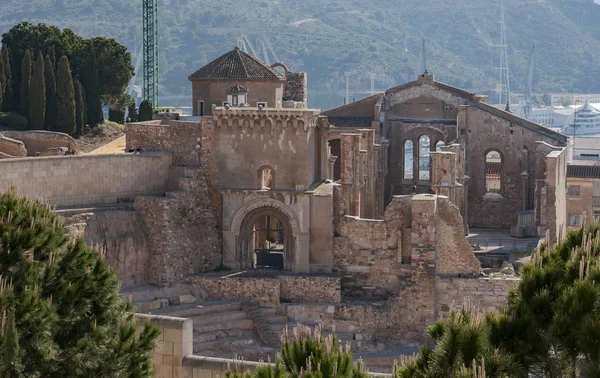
[350,122]
[236,89]
[237,65]
[492,168]
[583,171]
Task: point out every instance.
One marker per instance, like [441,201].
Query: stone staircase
[221,328]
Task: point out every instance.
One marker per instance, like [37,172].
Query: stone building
[583,194]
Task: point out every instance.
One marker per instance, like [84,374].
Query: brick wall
[264,290]
[483,293]
[86,179]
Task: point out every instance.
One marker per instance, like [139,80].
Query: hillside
[329,38]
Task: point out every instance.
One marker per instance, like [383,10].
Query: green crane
[150,51]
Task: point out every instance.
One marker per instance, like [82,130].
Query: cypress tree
[2,81]
[50,93]
[25,81]
[37,96]
[79,107]
[65,97]
[92,89]
[8,89]
[132,112]
[52,55]
[145,111]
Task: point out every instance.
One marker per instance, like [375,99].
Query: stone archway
[269,221]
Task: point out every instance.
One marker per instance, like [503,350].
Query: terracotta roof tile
[493,168]
[583,171]
[237,65]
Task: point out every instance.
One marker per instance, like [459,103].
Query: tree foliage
[37,95]
[50,93]
[113,62]
[309,354]
[91,83]
[7,95]
[79,108]
[65,98]
[25,80]
[65,315]
[146,111]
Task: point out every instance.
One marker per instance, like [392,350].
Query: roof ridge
[237,51]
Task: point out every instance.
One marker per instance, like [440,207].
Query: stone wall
[295,87]
[12,147]
[37,141]
[181,139]
[175,343]
[86,179]
[310,289]
[265,290]
[120,237]
[483,293]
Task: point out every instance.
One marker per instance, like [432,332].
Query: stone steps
[226,325]
[198,309]
[212,336]
[219,317]
[225,344]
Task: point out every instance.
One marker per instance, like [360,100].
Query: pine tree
[50,93]
[92,88]
[79,107]
[25,81]
[145,111]
[8,89]
[65,98]
[132,112]
[66,317]
[37,96]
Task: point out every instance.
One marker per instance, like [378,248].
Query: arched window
[266,177]
[335,150]
[424,162]
[493,172]
[408,159]
[439,145]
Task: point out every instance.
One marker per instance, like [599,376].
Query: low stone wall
[175,342]
[12,147]
[310,289]
[265,290]
[483,293]
[38,140]
[86,179]
[182,139]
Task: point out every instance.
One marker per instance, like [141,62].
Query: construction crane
[150,50]
[528,87]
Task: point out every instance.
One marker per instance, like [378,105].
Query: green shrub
[13,120]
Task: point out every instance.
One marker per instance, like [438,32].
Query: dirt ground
[98,136]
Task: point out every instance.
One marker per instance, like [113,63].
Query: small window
[574,191]
[408,159]
[265,178]
[234,100]
[493,172]
[424,162]
[264,104]
[574,220]
[597,215]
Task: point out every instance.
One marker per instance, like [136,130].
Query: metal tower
[528,87]
[150,40]
[504,84]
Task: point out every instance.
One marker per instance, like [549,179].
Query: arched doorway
[266,240]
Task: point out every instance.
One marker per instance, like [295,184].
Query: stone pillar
[331,163]
[524,190]
[423,233]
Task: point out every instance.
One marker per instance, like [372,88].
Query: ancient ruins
[258,213]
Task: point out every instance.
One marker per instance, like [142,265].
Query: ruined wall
[584,203]
[454,254]
[12,147]
[486,294]
[38,140]
[178,137]
[360,108]
[482,130]
[86,179]
[310,289]
[265,290]
[120,237]
[556,194]
[295,87]
[286,141]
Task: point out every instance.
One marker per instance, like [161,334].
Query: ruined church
[354,218]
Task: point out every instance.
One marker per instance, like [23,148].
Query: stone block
[187,299]
[172,360]
[166,348]
[172,335]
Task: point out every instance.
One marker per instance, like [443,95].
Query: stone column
[524,190]
[331,163]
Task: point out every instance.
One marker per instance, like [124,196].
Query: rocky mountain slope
[327,39]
